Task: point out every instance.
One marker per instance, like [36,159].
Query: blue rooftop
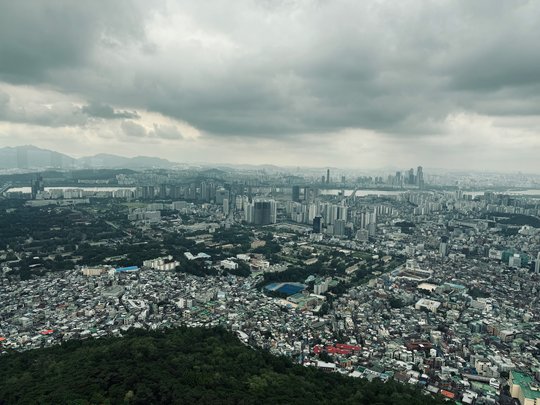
[286,288]
[129,268]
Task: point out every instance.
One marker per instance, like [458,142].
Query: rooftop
[527,383]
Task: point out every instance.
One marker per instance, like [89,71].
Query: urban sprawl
[431,281]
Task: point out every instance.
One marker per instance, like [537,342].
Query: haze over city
[451,84]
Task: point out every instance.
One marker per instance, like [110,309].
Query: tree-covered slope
[179,366]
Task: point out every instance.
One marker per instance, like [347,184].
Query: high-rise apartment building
[420,177]
[296,193]
[410,177]
[443,247]
[37,186]
[221,194]
[261,212]
[339,227]
[317,224]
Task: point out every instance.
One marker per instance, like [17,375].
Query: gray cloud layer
[100,110]
[278,69]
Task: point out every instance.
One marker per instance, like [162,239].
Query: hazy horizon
[340,169]
[449,84]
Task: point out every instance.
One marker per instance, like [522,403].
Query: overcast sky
[363,84]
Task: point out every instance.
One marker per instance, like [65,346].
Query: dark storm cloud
[38,37]
[276,69]
[100,110]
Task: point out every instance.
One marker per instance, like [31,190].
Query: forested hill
[179,366]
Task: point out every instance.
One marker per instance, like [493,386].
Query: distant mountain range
[32,157]
[114,161]
[29,158]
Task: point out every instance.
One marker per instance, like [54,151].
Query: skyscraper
[363,221]
[372,228]
[262,212]
[162,191]
[332,214]
[296,193]
[205,192]
[339,227]
[420,177]
[248,212]
[342,212]
[398,179]
[312,212]
[307,194]
[176,192]
[148,192]
[273,211]
[443,247]
[411,176]
[327,176]
[317,224]
[37,186]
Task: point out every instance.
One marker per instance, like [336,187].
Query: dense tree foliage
[196,268]
[406,226]
[476,292]
[270,248]
[521,220]
[180,366]
[234,235]
[243,270]
[296,274]
[57,238]
[333,265]
[396,302]
[516,219]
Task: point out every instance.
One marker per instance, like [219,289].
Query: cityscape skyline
[258,82]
